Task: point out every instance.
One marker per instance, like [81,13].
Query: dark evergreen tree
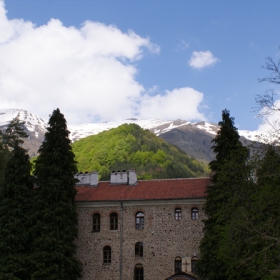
[10,137]
[15,206]
[53,248]
[229,181]
[3,162]
[252,245]
[263,229]
[14,133]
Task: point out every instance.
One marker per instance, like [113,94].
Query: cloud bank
[89,73]
[201,60]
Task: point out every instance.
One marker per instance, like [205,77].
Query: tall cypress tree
[229,175]
[53,248]
[15,206]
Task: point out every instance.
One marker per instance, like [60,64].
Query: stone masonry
[163,238]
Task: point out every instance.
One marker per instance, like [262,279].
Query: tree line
[38,216]
[242,230]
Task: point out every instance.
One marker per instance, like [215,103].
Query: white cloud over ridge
[201,60]
[179,103]
[89,73]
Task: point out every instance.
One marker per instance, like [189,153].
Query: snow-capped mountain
[35,127]
[194,138]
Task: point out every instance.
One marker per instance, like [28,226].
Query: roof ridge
[174,179]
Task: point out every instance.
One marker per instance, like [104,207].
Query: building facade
[131,229]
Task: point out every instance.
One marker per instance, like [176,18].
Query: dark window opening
[114,221]
[194,261]
[107,254]
[178,264]
[178,214]
[139,220]
[96,222]
[194,214]
[139,249]
[138,272]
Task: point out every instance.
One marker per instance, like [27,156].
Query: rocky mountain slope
[193,138]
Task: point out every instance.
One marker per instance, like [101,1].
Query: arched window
[139,249]
[139,220]
[107,254]
[178,264]
[194,214]
[96,222]
[138,272]
[178,214]
[114,221]
[194,260]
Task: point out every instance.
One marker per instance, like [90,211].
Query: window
[178,214]
[139,220]
[107,254]
[139,249]
[178,264]
[96,222]
[194,214]
[194,260]
[114,221]
[138,272]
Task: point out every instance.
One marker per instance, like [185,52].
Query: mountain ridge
[193,138]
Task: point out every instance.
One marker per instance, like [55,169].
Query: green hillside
[131,147]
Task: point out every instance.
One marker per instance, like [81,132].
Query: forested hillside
[129,146]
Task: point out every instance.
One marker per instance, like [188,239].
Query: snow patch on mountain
[38,126]
[32,122]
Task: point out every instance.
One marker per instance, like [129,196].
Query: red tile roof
[145,190]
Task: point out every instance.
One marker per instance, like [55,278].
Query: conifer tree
[252,246]
[14,133]
[53,248]
[263,231]
[3,161]
[10,137]
[229,177]
[15,206]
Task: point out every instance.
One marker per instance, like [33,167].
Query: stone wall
[163,238]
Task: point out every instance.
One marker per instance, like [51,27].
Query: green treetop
[15,207]
[53,249]
[229,174]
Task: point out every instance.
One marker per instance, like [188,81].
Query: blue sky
[107,60]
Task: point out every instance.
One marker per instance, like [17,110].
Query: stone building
[131,229]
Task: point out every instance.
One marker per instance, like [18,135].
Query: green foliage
[129,146]
[230,178]
[255,235]
[13,134]
[11,137]
[15,210]
[55,214]
[4,155]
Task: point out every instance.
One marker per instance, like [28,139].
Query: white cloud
[180,103]
[200,60]
[89,73]
[270,121]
